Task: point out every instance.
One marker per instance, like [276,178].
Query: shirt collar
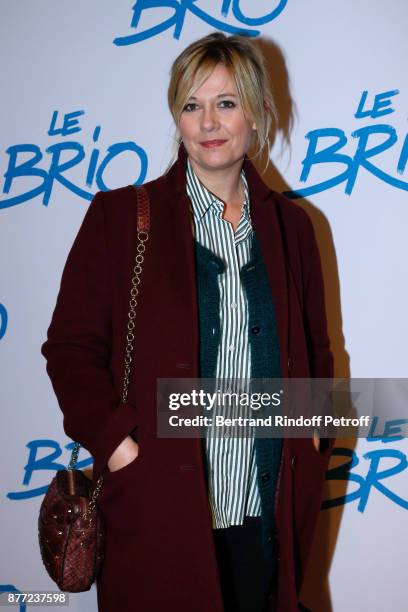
[203,200]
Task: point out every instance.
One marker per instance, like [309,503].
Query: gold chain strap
[142,237]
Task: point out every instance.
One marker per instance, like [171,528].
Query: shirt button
[231,347]
[255,329]
[233,305]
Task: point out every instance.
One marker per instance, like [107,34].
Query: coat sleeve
[79,344]
[315,324]
[314,307]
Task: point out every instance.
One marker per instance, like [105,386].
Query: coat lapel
[267,229]
[175,266]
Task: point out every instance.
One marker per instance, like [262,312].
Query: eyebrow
[223,95]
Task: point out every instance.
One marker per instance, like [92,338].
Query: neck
[225,183]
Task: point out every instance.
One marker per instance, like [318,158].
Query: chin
[217,161]
[219,164]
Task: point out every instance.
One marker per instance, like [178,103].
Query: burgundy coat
[159,552]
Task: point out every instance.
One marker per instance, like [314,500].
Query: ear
[254,126]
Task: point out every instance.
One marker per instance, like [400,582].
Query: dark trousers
[247,577]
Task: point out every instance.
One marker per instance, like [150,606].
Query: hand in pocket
[126,452]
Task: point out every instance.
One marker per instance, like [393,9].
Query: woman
[231,287]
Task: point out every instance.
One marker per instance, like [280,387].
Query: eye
[190,106]
[227,104]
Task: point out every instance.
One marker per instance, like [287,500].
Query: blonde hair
[244,59]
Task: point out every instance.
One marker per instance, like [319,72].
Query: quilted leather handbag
[70,528]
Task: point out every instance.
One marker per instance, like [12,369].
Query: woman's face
[213,127]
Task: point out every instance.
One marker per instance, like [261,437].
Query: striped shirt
[232,471]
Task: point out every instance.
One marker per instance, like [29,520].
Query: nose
[209,119]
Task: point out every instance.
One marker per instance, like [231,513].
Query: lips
[209,144]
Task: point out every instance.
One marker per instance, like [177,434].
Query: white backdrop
[84,108]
